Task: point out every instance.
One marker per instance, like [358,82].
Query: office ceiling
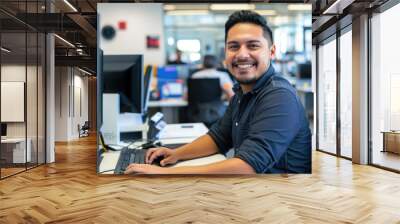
[74,21]
[328,13]
[77,22]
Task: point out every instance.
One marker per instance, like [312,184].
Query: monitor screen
[147,83]
[123,74]
[3,129]
[183,71]
[304,70]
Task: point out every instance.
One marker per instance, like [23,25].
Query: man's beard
[247,81]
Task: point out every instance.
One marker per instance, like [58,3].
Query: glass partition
[385,89]
[327,97]
[346,94]
[13,108]
[22,90]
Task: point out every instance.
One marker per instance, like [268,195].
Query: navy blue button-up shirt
[267,127]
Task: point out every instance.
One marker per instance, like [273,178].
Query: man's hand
[144,169]
[169,156]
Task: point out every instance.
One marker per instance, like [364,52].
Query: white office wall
[141,19]
[12,73]
[71,102]
[12,101]
[34,124]
[61,103]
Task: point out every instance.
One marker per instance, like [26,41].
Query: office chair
[84,129]
[205,104]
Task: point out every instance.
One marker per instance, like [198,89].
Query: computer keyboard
[138,155]
[128,156]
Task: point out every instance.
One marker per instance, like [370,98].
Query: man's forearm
[229,166]
[202,146]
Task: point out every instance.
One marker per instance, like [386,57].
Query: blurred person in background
[210,65]
[178,58]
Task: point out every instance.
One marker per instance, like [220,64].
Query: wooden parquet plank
[69,191]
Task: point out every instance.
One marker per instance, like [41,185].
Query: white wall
[71,93]
[142,19]
[33,126]
[61,103]
[12,73]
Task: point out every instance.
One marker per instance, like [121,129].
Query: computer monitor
[183,71]
[3,130]
[304,70]
[99,72]
[123,74]
[147,83]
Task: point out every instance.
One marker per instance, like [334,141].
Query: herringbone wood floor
[69,191]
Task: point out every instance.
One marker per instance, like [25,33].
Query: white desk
[172,134]
[16,146]
[179,102]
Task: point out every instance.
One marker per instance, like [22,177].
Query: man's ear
[272,51]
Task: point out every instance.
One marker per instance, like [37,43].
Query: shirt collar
[259,83]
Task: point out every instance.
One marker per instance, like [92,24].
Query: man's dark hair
[210,61]
[247,16]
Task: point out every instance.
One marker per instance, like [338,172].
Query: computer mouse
[157,161]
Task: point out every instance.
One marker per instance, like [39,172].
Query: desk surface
[179,102]
[172,103]
[171,134]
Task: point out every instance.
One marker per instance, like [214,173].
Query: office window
[307,43]
[385,89]
[346,94]
[189,45]
[190,49]
[327,97]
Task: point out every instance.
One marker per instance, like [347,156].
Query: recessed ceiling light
[64,40]
[226,7]
[266,12]
[5,50]
[299,7]
[84,71]
[70,5]
[187,12]
[169,7]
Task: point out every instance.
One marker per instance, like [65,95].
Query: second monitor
[122,74]
[125,92]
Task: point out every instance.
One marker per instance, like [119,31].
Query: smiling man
[265,122]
